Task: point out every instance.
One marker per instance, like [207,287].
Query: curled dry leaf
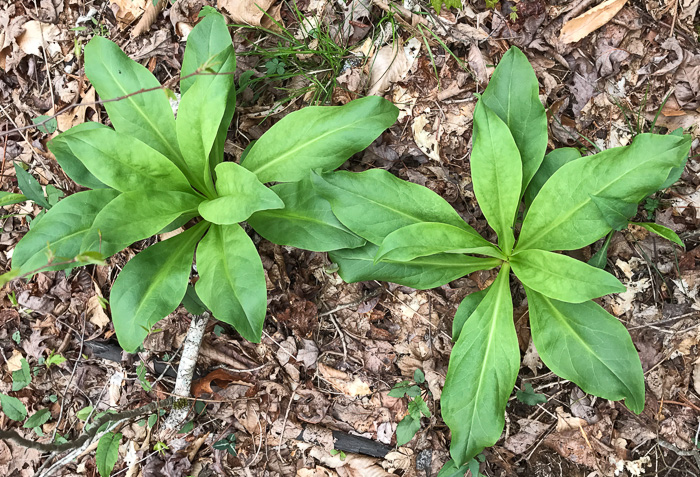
[390,64]
[152,11]
[584,24]
[37,35]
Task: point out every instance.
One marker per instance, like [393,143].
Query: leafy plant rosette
[415,238]
[154,172]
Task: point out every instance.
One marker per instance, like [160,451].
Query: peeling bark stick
[188,361]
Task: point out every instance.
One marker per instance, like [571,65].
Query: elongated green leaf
[513,94]
[200,116]
[318,137]
[551,164]
[8,198]
[357,265]
[429,238]
[204,42]
[374,203]
[240,195]
[616,212]
[209,38]
[37,419]
[231,279]
[305,222]
[496,173]
[450,469]
[62,230]
[146,116]
[134,216]
[561,277]
[481,374]
[13,407]
[465,310]
[22,377]
[563,215]
[30,187]
[586,345]
[152,285]
[107,453]
[123,162]
[675,174]
[600,258]
[662,231]
[70,164]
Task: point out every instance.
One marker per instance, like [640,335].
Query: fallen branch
[188,361]
[12,436]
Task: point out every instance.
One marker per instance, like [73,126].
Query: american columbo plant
[416,238]
[152,172]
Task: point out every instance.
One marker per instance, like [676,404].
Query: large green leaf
[152,285]
[61,231]
[550,164]
[563,215]
[318,137]
[240,195]
[429,238]
[305,222]
[481,374]
[123,162]
[107,453]
[200,116]
[146,116]
[134,216]
[465,310]
[496,173]
[204,42]
[357,265]
[513,94]
[232,280]
[586,345]
[70,164]
[374,203]
[561,277]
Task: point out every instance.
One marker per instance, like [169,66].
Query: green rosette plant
[415,238]
[153,172]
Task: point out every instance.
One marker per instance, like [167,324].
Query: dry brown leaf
[390,64]
[250,12]
[31,40]
[148,18]
[342,381]
[584,24]
[566,422]
[426,141]
[127,11]
[95,313]
[14,363]
[220,377]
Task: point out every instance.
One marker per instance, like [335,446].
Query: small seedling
[54,360]
[228,444]
[141,375]
[528,396]
[160,447]
[275,67]
[16,336]
[341,455]
[417,407]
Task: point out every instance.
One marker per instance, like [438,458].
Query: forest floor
[332,351]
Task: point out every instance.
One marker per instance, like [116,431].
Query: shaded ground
[332,351]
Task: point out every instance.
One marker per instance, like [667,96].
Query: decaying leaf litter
[333,351]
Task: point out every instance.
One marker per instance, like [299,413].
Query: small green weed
[417,407]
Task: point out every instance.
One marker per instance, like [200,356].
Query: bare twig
[74,444]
